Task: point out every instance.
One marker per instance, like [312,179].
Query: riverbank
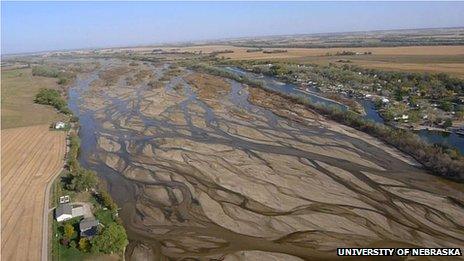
[81,185]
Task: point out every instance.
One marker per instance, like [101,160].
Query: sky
[44,26]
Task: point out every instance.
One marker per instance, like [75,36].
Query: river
[205,168]
[448,139]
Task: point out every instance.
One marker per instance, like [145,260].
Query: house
[385,100]
[63,212]
[88,227]
[403,117]
[78,211]
[60,125]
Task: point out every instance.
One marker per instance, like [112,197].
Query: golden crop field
[434,59]
[31,156]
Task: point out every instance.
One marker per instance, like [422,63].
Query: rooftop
[88,223]
[63,209]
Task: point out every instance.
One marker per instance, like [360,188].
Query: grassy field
[18,108]
[31,156]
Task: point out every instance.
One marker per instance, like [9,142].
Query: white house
[385,100]
[60,125]
[63,212]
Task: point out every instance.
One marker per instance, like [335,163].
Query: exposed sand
[213,169]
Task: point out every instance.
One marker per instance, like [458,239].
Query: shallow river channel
[207,168]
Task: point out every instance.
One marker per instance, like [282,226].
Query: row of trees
[78,178]
[52,97]
[112,238]
[41,70]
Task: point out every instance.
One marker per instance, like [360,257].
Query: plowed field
[31,156]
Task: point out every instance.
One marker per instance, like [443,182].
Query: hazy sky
[39,26]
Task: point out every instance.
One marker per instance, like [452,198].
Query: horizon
[139,29]
[220,40]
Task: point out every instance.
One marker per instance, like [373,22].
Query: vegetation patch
[53,98]
[79,182]
[46,71]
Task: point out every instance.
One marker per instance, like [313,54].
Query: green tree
[107,200]
[113,239]
[68,230]
[447,106]
[84,245]
[448,123]
[83,180]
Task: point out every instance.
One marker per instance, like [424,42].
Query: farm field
[435,59]
[18,108]
[31,156]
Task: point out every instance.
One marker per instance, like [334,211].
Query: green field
[18,108]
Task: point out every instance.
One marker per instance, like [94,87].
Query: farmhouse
[60,125]
[65,212]
[88,227]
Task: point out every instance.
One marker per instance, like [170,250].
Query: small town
[407,100]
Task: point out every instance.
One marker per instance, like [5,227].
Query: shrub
[84,245]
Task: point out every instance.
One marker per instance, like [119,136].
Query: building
[88,227]
[78,211]
[63,212]
[60,125]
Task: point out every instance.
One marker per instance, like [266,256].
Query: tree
[113,239]
[447,106]
[448,123]
[84,245]
[107,200]
[83,180]
[68,230]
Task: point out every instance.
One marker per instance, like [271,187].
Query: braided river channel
[206,168]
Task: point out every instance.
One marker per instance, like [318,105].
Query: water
[168,203]
[290,89]
[449,139]
[371,112]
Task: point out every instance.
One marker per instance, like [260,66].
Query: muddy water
[201,177]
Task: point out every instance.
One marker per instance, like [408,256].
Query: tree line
[52,97]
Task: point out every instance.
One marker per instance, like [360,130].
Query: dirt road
[31,157]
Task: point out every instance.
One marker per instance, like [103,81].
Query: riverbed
[452,140]
[204,167]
